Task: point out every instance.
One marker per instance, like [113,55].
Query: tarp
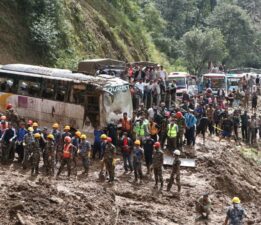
[142,64]
[168,161]
[92,65]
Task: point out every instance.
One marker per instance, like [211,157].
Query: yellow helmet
[55,125]
[137,142]
[83,136]
[30,129]
[67,127]
[35,124]
[78,133]
[236,200]
[37,135]
[50,136]
[103,136]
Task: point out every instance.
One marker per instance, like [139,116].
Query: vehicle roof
[142,63]
[178,73]
[214,75]
[90,66]
[61,74]
[234,75]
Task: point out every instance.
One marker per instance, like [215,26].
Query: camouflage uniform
[28,144]
[109,153]
[67,159]
[49,154]
[157,166]
[35,156]
[175,171]
[12,117]
[137,161]
[84,148]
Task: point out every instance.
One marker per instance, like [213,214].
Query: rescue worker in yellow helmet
[49,154]
[84,151]
[35,127]
[235,213]
[138,153]
[28,146]
[36,149]
[76,142]
[57,140]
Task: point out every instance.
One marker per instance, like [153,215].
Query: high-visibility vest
[140,130]
[172,130]
[66,151]
[153,129]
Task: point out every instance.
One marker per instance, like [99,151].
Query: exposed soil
[221,170]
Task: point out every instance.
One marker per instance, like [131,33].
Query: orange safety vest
[67,151]
[126,125]
[153,129]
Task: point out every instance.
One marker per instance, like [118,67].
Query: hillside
[60,32]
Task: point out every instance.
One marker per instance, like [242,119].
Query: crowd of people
[143,137]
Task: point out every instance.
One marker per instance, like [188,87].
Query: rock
[57,200]
[17,206]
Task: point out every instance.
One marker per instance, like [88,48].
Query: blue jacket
[190,120]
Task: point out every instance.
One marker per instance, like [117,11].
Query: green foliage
[238,32]
[201,47]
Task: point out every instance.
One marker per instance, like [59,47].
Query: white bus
[214,81]
[55,95]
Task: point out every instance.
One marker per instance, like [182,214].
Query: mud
[221,170]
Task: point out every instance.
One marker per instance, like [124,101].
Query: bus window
[30,88]
[78,94]
[61,90]
[48,90]
[6,85]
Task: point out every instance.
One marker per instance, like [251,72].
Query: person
[7,140]
[148,144]
[181,127]
[157,165]
[173,90]
[252,128]
[85,153]
[137,161]
[28,145]
[202,127]
[254,102]
[190,121]
[12,116]
[35,154]
[76,142]
[236,123]
[164,129]
[126,125]
[244,125]
[57,137]
[97,142]
[21,132]
[141,128]
[49,155]
[226,126]
[172,134]
[175,171]
[109,158]
[203,206]
[235,213]
[210,116]
[67,156]
[126,149]
[36,129]
[66,133]
[153,129]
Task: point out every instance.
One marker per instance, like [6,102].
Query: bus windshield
[214,82]
[180,81]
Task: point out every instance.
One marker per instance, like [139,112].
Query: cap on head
[3,117]
[30,129]
[67,128]
[236,200]
[103,136]
[78,133]
[67,139]
[35,124]
[137,142]
[30,122]
[83,136]
[109,139]
[156,145]
[50,136]
[9,106]
[177,152]
[179,114]
[37,135]
[55,125]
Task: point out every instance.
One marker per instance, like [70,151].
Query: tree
[200,47]
[237,29]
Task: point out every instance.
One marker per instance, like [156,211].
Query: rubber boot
[161,185]
[156,185]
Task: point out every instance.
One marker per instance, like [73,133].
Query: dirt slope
[221,170]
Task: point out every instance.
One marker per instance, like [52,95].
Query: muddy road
[222,170]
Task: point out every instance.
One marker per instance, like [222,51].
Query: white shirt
[140,86]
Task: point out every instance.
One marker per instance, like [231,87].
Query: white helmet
[177,152]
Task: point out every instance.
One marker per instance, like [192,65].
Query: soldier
[36,129]
[27,143]
[35,154]
[57,138]
[85,153]
[137,160]
[148,152]
[67,156]
[49,153]
[175,171]
[157,165]
[7,140]
[109,158]
[203,205]
[12,116]
[76,142]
